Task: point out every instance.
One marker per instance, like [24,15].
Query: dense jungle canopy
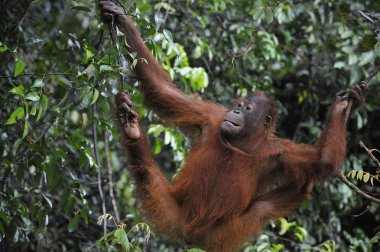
[62,168]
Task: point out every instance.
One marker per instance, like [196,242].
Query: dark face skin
[252,114]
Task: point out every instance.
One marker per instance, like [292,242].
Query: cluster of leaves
[61,164]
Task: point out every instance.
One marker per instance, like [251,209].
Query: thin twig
[32,74]
[360,214]
[101,194]
[110,177]
[120,58]
[369,152]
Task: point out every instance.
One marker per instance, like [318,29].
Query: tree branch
[101,194]
[341,176]
[369,78]
[110,178]
[369,152]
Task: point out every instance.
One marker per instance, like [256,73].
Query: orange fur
[220,198]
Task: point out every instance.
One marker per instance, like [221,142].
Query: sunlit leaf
[105,68]
[19,90]
[38,83]
[39,113]
[95,96]
[16,115]
[366,177]
[3,48]
[353,174]
[33,111]
[359,175]
[26,128]
[284,226]
[45,102]
[32,96]
[299,236]
[339,64]
[19,68]
[168,35]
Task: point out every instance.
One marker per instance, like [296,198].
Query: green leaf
[89,157]
[3,48]
[257,12]
[16,115]
[73,223]
[89,53]
[19,90]
[105,237]
[19,68]
[299,236]
[84,216]
[32,96]
[376,238]
[339,64]
[327,246]
[39,113]
[122,237]
[95,96]
[368,42]
[43,218]
[38,83]
[81,8]
[277,247]
[26,127]
[284,226]
[86,97]
[268,15]
[165,6]
[168,36]
[105,68]
[3,217]
[119,233]
[55,130]
[69,204]
[26,106]
[45,102]
[65,81]
[33,111]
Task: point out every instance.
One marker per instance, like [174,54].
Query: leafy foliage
[61,166]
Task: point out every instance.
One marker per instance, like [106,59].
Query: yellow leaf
[366,177]
[360,175]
